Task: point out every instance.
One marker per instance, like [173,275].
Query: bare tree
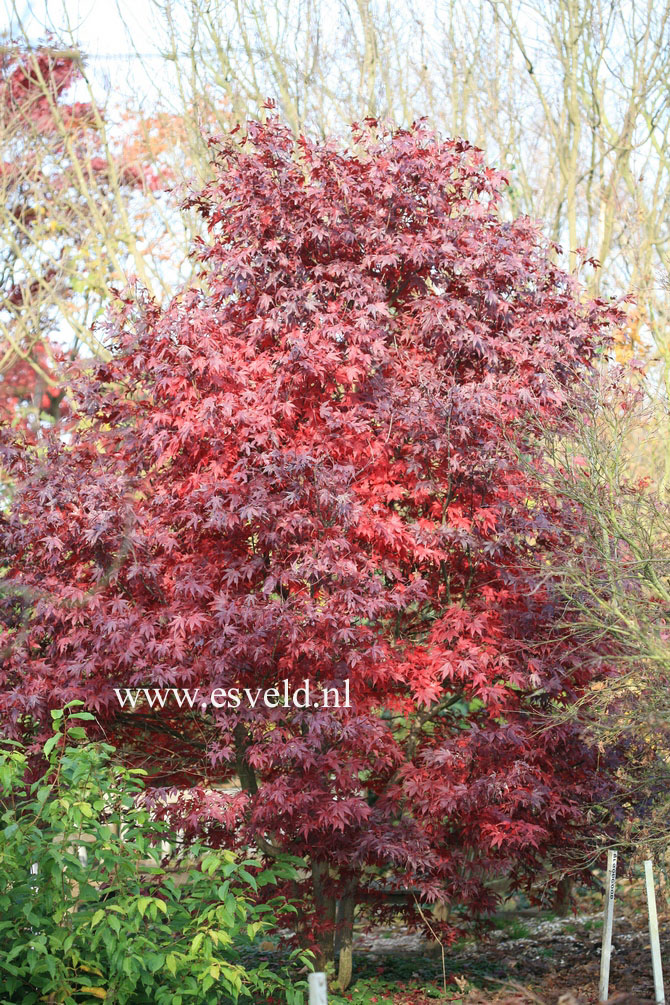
[83,208]
[613,576]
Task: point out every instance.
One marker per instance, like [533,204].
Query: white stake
[608,918]
[317,989]
[653,934]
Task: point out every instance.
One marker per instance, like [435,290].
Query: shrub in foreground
[101,917]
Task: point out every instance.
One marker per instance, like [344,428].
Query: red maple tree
[307,468]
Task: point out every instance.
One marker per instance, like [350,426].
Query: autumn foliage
[307,468]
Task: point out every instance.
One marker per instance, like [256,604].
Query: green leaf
[154,961]
[77,732]
[210,864]
[51,743]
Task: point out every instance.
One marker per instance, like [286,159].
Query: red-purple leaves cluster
[307,469]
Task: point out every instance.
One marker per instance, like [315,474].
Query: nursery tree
[306,469]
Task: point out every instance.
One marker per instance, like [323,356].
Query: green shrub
[110,923]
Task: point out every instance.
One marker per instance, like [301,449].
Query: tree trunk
[345,935]
[563,896]
[325,912]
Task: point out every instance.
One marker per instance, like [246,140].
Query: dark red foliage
[308,469]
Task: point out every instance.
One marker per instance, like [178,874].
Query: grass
[513,927]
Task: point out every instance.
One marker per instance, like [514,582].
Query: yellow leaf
[197,942]
[96,992]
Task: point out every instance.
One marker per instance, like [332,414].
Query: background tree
[35,250]
[613,578]
[539,86]
[304,469]
[73,203]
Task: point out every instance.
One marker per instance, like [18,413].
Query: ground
[529,957]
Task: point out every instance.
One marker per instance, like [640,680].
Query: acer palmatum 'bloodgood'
[306,469]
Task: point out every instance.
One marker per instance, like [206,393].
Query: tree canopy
[307,468]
